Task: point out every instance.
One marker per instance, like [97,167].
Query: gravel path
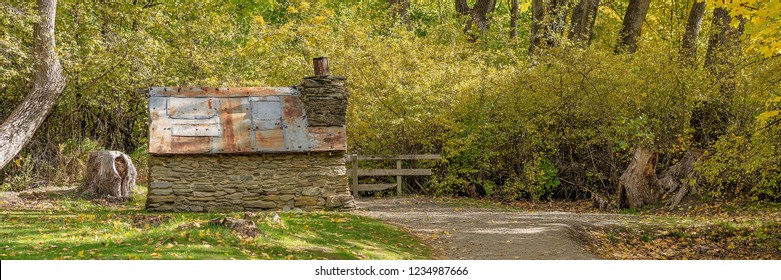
[468,232]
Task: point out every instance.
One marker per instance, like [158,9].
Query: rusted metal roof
[234,120]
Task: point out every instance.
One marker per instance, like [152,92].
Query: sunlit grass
[78,229]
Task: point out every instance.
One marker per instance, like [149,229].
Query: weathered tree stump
[638,185]
[681,179]
[110,174]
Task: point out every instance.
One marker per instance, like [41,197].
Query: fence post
[398,179]
[355,176]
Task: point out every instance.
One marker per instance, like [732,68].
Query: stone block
[260,204]
[157,192]
[311,191]
[305,201]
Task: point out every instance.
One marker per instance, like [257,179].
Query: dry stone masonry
[248,182]
[325,100]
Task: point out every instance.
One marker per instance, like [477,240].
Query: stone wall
[248,182]
[325,100]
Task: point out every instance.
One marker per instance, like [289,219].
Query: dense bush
[560,124]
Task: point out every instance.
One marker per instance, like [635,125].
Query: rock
[312,191]
[204,188]
[234,196]
[305,201]
[161,191]
[245,228]
[202,194]
[159,185]
[167,198]
[141,221]
[340,201]
[260,204]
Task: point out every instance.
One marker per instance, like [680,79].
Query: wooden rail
[356,172]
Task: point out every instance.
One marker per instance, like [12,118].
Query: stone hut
[249,148]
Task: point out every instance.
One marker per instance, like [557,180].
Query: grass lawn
[71,228]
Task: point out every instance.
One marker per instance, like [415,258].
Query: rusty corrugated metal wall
[235,120]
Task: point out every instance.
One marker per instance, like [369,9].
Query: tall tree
[21,124]
[478,13]
[633,24]
[538,22]
[584,15]
[724,43]
[514,19]
[692,33]
[710,118]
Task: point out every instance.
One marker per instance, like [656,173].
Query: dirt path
[469,232]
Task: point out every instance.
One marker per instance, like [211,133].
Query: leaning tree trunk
[633,24]
[692,33]
[110,174]
[638,185]
[680,179]
[47,85]
[584,15]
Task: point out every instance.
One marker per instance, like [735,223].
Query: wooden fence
[356,172]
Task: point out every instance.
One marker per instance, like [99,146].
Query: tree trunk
[680,179]
[514,19]
[710,118]
[478,13]
[556,20]
[21,124]
[724,43]
[633,24]
[692,33]
[110,174]
[400,8]
[584,15]
[538,18]
[638,185]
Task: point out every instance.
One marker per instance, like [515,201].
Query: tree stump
[110,174]
[681,179]
[638,185]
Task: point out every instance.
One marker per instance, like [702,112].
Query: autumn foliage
[559,124]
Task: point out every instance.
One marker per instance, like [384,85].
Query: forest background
[551,103]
